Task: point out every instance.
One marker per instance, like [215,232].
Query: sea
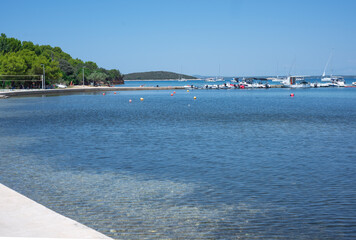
[201,164]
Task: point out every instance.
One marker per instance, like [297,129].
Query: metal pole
[44,77]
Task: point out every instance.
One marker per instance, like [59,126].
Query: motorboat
[224,86]
[210,80]
[245,84]
[211,86]
[334,81]
[293,82]
[318,84]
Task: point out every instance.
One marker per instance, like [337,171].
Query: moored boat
[293,82]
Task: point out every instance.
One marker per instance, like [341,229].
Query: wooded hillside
[26,58]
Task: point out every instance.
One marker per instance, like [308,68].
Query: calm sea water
[348,81]
[232,164]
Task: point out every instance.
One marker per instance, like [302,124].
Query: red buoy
[171,94]
[242,86]
[114,92]
[130,101]
[292,94]
[103,94]
[174,92]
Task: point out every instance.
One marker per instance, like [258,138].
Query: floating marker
[103,94]
[141,99]
[130,101]
[114,92]
[187,90]
[195,97]
[292,94]
[174,92]
[171,94]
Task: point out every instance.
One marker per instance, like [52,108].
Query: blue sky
[265,37]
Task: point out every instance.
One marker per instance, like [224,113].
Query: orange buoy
[174,92]
[114,92]
[171,94]
[141,99]
[187,90]
[195,97]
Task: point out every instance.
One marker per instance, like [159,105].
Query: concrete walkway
[32,92]
[20,217]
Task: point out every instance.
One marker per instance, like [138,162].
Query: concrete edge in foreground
[22,217]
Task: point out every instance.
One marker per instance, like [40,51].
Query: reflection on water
[231,164]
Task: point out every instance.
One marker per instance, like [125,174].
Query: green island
[22,63]
[156,75]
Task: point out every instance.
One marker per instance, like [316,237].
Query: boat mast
[327,63]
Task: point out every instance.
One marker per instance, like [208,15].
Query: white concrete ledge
[78,89]
[20,217]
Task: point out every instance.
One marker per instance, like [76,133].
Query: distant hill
[156,75]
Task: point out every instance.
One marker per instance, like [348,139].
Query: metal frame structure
[23,80]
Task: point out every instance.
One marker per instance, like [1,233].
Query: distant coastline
[157,75]
[171,80]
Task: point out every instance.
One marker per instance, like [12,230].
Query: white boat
[210,80]
[252,82]
[293,82]
[353,83]
[211,86]
[333,81]
[61,85]
[259,85]
[245,83]
[225,86]
[317,84]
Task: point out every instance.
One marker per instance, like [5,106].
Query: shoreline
[78,89]
[22,217]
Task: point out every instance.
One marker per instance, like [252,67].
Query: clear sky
[251,37]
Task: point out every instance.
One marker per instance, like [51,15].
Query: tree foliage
[27,58]
[97,77]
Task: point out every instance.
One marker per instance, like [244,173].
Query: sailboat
[180,78]
[331,81]
[219,78]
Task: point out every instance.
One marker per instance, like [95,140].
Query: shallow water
[231,164]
